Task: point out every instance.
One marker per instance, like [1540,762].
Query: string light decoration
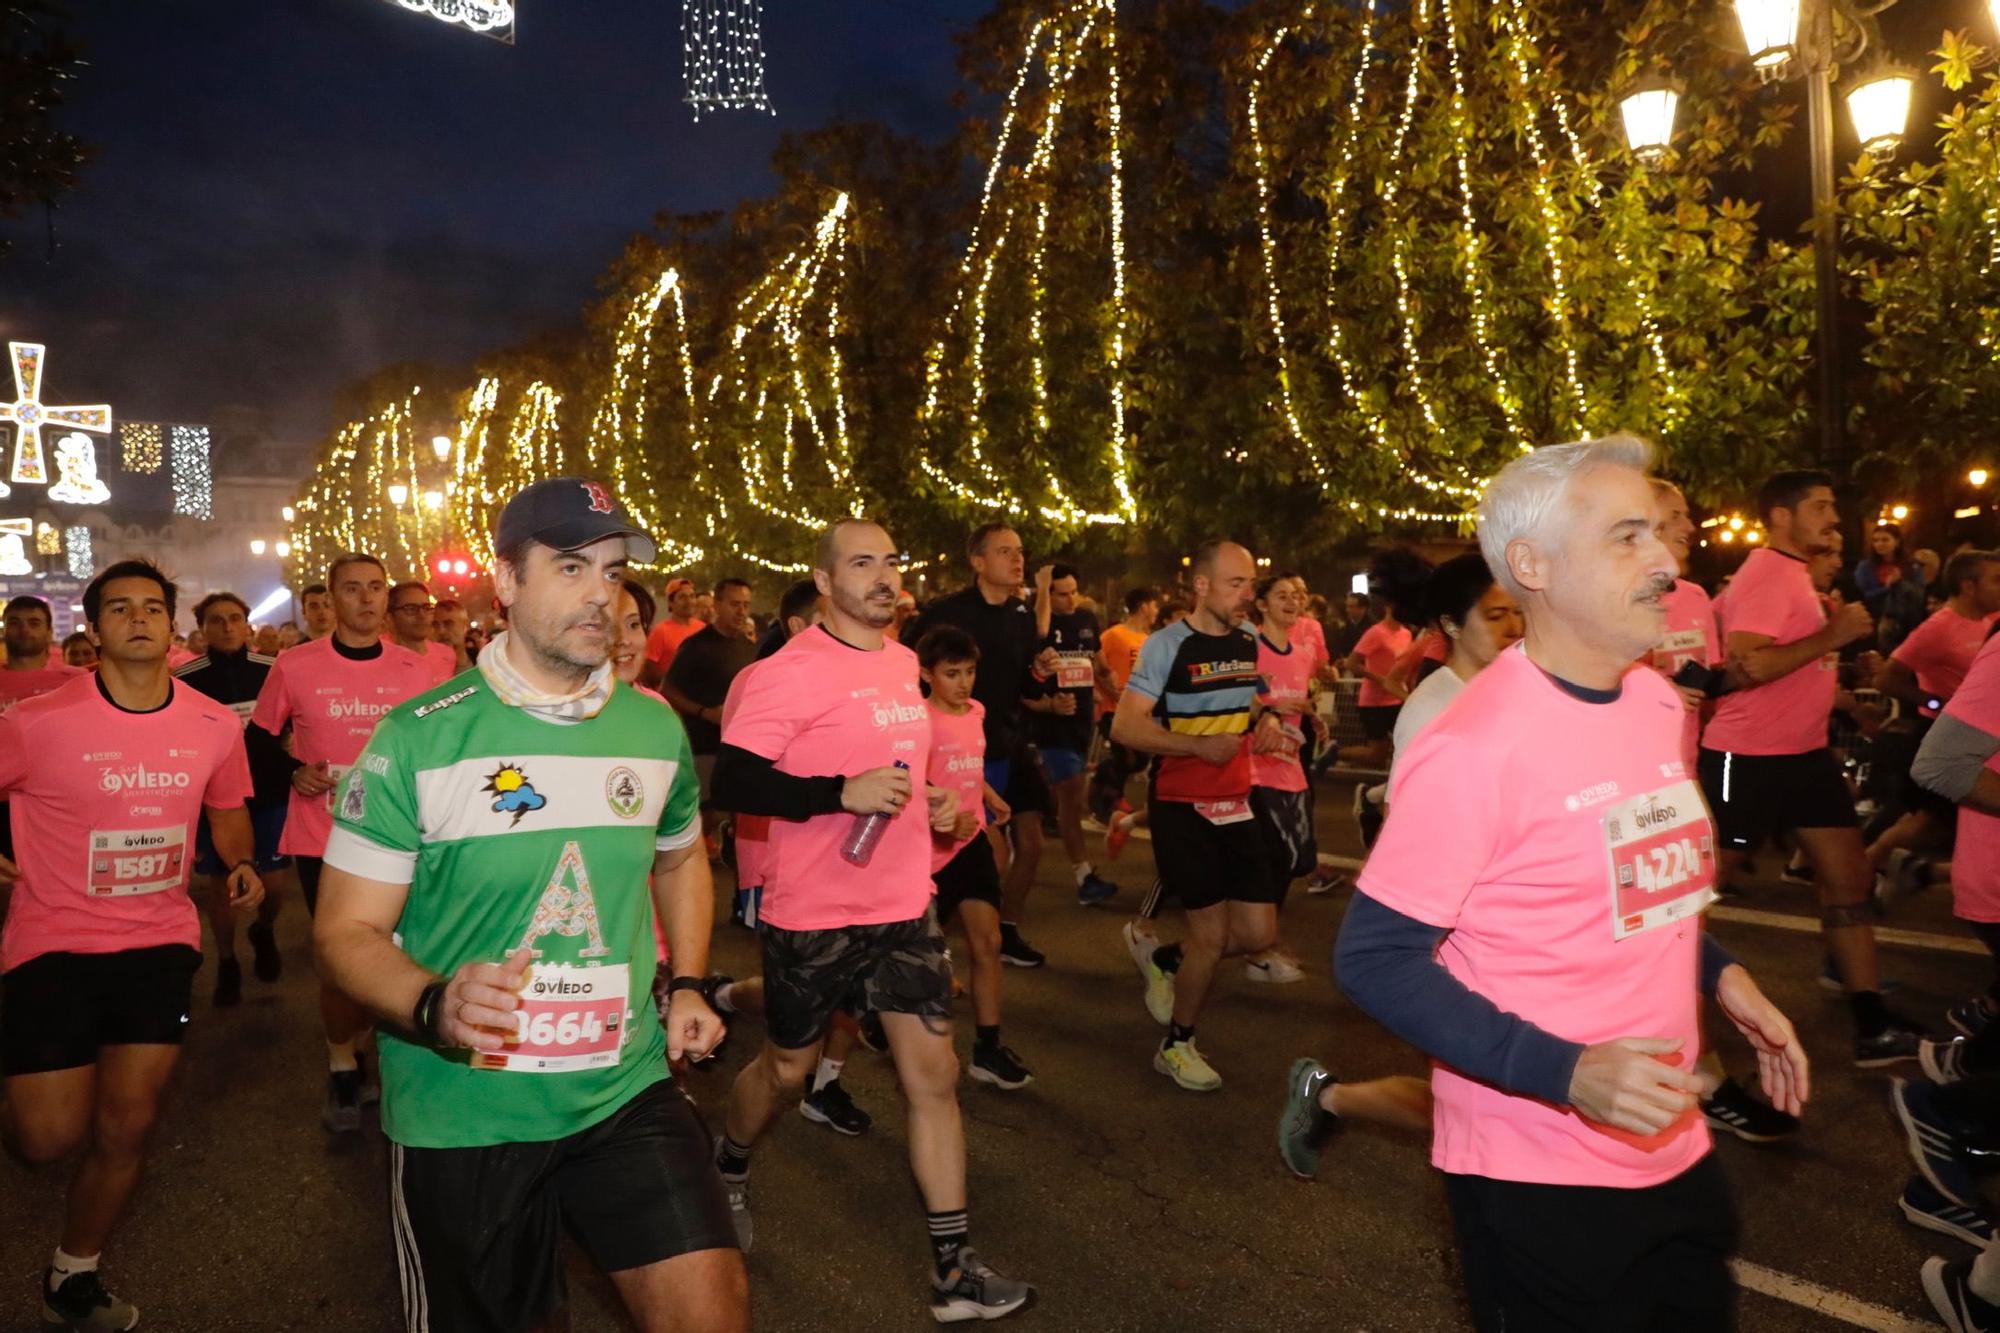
[81,559]
[28,414]
[194,485]
[76,470]
[488,18]
[48,539]
[15,534]
[723,44]
[617,436]
[1014,210]
[142,446]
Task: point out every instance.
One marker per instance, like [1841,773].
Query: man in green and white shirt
[499,853]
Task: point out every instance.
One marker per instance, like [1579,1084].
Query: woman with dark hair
[1892,585]
[1480,620]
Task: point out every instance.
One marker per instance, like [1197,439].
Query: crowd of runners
[509,837]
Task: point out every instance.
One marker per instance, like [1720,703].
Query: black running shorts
[1285,822]
[58,1009]
[1757,796]
[1378,721]
[969,876]
[1202,864]
[309,868]
[478,1230]
[900,967]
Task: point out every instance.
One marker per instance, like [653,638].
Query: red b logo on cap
[600,499]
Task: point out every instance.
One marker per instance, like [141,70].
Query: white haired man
[1531,918]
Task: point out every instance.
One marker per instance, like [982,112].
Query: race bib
[1662,857]
[1074,671]
[570,1018]
[126,862]
[1679,647]
[1233,811]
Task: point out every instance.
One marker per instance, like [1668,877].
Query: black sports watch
[684,983]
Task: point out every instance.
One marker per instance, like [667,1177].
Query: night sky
[289,194]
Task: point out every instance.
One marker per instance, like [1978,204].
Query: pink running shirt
[1287,676]
[1568,851]
[1941,650]
[104,804]
[1379,648]
[1772,595]
[958,764]
[443,659]
[1691,636]
[1975,864]
[666,639]
[820,707]
[18,685]
[333,703]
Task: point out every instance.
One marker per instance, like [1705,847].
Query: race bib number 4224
[1661,848]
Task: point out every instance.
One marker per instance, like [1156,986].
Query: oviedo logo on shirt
[895,714]
[623,792]
[113,781]
[961,762]
[355,708]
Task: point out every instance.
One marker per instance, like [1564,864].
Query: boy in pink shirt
[1531,918]
[108,776]
[832,731]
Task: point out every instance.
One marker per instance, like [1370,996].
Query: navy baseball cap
[567,513]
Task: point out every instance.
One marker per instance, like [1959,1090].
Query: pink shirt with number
[958,764]
[1941,650]
[1975,864]
[333,703]
[1379,647]
[1772,595]
[1287,676]
[1691,636]
[103,805]
[820,707]
[18,685]
[1566,847]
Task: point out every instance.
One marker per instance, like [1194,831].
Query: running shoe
[1119,831]
[1304,1126]
[999,1066]
[1934,1143]
[1159,985]
[1734,1110]
[1905,876]
[82,1303]
[972,1290]
[341,1113]
[228,983]
[1017,952]
[1272,967]
[737,1189]
[832,1107]
[1972,1016]
[1942,1061]
[1797,871]
[1948,1284]
[1185,1065]
[1924,1207]
[1896,1042]
[1830,982]
[1095,891]
[266,963]
[1325,879]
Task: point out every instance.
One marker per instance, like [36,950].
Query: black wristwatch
[427,1017]
[684,983]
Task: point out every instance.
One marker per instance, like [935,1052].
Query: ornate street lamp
[1879,104]
[1771,32]
[441,444]
[1647,109]
[399,494]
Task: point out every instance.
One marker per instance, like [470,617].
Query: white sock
[722,1004]
[1984,1279]
[1082,871]
[340,1057]
[65,1266]
[828,1071]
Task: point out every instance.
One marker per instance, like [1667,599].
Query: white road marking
[1825,1300]
[1914,939]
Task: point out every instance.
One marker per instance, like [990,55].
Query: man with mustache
[1765,766]
[828,735]
[1531,919]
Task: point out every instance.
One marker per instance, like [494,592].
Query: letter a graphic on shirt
[567,907]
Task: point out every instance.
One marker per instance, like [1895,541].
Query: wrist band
[684,983]
[427,1013]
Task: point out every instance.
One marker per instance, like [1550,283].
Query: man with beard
[316,606]
[502,849]
[1765,765]
[830,736]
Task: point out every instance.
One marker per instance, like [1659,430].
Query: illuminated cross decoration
[29,415]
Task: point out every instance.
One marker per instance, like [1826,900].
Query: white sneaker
[1272,967]
[1159,985]
[1185,1065]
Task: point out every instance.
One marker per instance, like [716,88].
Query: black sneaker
[82,1303]
[1970,1017]
[1095,891]
[1942,1061]
[266,962]
[972,1290]
[1926,1208]
[999,1066]
[1303,1127]
[228,983]
[1936,1145]
[1948,1285]
[1017,952]
[1897,1042]
[1735,1111]
[832,1107]
[341,1113]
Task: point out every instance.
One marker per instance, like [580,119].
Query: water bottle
[867,831]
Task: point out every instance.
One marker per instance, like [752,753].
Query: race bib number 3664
[1661,849]
[570,1018]
[124,862]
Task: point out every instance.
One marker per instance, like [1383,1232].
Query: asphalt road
[1130,1203]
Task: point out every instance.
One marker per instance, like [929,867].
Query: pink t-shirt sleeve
[765,719]
[1765,607]
[229,785]
[1926,650]
[1411,869]
[1370,640]
[274,702]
